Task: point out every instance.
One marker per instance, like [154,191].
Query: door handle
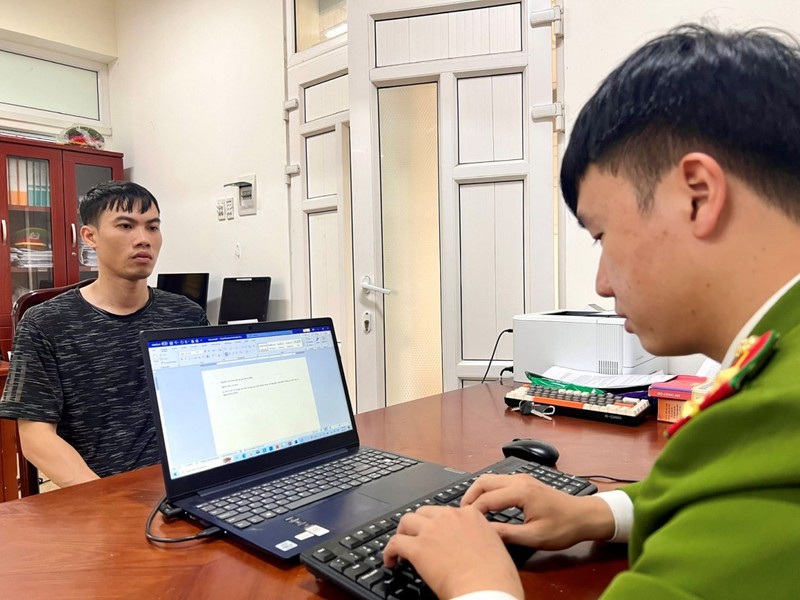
[366,285]
[3,231]
[74,231]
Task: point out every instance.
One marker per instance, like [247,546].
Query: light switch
[229,208]
[221,209]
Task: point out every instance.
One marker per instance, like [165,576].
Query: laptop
[243,411]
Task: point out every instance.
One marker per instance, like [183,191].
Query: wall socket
[221,209]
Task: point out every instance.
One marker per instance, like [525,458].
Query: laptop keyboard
[354,561]
[253,505]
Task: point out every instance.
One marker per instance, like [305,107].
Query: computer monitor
[244,299]
[192,285]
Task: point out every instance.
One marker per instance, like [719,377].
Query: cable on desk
[206,533]
[608,477]
[493,352]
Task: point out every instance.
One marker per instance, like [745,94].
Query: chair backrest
[35,297]
[28,473]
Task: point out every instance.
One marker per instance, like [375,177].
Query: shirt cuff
[622,508]
[485,595]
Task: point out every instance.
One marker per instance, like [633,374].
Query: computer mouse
[532,450]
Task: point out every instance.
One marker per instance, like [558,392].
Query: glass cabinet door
[86,177]
[82,173]
[29,235]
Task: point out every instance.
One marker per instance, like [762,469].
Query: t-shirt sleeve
[33,389]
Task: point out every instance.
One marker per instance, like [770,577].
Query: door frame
[316,68]
[540,209]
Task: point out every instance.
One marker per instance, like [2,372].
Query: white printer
[582,340]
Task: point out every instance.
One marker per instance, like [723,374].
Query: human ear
[707,187]
[87,235]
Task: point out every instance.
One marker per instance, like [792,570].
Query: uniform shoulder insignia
[751,355]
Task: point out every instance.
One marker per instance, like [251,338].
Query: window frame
[47,123]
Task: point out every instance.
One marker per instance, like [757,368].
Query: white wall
[196,102]
[85,26]
[598,35]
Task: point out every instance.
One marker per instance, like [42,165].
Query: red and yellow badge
[751,355]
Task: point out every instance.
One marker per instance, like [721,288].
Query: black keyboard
[253,505]
[354,561]
[597,406]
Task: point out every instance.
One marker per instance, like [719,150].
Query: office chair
[28,473]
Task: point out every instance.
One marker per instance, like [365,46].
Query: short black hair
[115,195]
[734,95]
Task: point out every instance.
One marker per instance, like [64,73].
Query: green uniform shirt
[719,514]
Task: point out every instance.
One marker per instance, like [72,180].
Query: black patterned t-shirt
[82,369]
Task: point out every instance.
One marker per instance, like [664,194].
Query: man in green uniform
[685,167]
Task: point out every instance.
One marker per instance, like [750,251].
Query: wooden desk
[88,541]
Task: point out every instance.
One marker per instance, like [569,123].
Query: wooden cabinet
[41,185]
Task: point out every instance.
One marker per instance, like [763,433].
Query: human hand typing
[455,550]
[553,519]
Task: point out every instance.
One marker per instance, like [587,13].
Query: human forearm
[53,456]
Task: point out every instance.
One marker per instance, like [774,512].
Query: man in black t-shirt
[76,383]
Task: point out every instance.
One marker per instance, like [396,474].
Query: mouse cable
[206,533]
[493,352]
[608,477]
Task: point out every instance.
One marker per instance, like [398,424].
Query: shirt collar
[753,321]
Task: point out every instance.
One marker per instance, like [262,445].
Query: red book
[679,388]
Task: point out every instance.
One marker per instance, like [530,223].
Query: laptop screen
[235,396]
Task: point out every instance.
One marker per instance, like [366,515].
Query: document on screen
[254,404]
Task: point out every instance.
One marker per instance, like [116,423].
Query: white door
[318,175]
[453,206]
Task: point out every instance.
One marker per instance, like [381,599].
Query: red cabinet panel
[41,185]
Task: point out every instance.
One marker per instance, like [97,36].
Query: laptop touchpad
[344,511]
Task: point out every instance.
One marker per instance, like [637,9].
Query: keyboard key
[338,564]
[362,535]
[371,578]
[356,570]
[313,498]
[239,517]
[324,554]
[349,542]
